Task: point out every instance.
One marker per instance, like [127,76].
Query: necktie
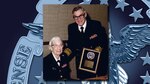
[81,29]
[58,62]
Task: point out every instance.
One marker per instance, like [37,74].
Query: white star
[40,78]
[121,4]
[85,82]
[146,59]
[104,2]
[61,82]
[86,2]
[136,14]
[146,78]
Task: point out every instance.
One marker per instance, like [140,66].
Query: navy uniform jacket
[51,70]
[78,41]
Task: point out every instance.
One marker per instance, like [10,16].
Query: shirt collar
[84,26]
[55,57]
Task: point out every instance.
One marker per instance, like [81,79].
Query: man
[87,33]
[55,65]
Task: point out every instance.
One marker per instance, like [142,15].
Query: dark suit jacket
[78,41]
[51,70]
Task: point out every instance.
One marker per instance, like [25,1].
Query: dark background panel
[13,13]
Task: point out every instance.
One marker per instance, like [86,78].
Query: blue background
[14,13]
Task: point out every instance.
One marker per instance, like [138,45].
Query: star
[61,82]
[146,59]
[121,4]
[104,2]
[40,78]
[136,14]
[146,78]
[85,82]
[86,2]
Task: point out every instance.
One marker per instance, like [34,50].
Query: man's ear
[85,14]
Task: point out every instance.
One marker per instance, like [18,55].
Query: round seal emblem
[90,55]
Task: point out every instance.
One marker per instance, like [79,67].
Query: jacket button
[61,76]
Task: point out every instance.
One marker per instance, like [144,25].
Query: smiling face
[79,17]
[56,47]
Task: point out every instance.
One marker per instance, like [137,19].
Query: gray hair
[78,8]
[55,38]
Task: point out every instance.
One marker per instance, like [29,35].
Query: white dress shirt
[56,59]
[84,27]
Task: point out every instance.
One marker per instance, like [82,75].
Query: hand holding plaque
[89,60]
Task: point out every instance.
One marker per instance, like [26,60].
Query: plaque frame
[96,58]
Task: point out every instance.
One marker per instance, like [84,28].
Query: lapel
[53,61]
[87,30]
[76,28]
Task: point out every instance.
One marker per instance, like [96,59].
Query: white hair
[55,38]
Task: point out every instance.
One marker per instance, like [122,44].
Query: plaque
[89,60]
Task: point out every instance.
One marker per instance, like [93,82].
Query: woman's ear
[50,48]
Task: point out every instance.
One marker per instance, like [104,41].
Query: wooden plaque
[89,60]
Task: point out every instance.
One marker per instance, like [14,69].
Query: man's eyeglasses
[76,17]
